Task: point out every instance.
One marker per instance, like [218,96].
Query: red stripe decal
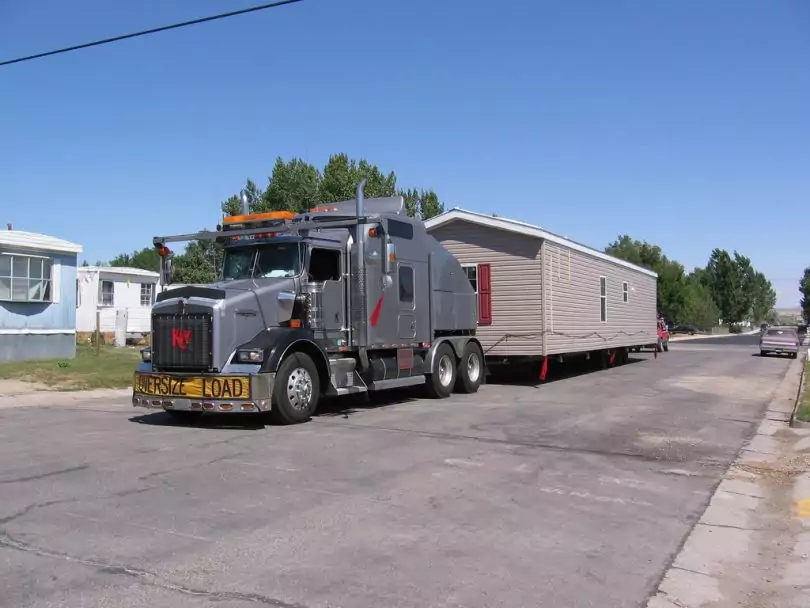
[375,315]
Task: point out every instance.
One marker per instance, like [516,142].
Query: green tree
[424,203]
[804,289]
[699,308]
[724,283]
[198,264]
[763,297]
[342,174]
[293,186]
[146,259]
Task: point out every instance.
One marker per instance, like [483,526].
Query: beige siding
[572,298]
[517,292]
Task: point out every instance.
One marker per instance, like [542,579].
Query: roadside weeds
[802,414]
[113,368]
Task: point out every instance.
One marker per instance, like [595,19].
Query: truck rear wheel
[470,369]
[296,390]
[439,382]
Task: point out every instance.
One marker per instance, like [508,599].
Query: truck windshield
[268,260]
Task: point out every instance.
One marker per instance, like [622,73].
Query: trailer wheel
[470,369]
[296,390]
[439,382]
[763,353]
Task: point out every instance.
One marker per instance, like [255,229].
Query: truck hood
[240,309]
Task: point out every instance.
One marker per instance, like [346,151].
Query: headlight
[250,355]
[146,354]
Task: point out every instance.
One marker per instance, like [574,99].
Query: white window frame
[151,294]
[465,267]
[625,292]
[603,299]
[46,283]
[101,302]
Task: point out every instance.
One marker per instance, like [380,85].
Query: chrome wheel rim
[473,367]
[299,388]
[445,370]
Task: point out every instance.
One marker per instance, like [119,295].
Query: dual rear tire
[448,374]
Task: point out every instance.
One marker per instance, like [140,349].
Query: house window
[479,277]
[405,285]
[603,299]
[400,230]
[147,290]
[25,278]
[625,292]
[106,291]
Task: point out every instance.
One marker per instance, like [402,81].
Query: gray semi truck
[349,297]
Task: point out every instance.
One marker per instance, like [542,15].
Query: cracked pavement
[576,493]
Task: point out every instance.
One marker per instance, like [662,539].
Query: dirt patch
[9,388]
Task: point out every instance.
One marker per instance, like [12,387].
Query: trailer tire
[763,353]
[439,382]
[296,390]
[470,369]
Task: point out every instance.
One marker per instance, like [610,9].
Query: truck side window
[401,230]
[405,285]
[324,265]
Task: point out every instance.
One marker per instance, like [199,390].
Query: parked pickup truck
[780,341]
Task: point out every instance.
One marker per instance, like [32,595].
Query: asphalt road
[575,493]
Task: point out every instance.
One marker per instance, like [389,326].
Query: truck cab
[349,297]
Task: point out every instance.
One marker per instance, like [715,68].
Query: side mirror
[166,271]
[390,257]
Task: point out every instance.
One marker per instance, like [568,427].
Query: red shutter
[484,295]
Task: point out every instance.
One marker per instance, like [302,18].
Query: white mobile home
[541,294]
[113,291]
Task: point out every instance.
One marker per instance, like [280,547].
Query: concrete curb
[721,558]
[799,424]
[58,398]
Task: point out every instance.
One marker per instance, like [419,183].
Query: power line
[155,30]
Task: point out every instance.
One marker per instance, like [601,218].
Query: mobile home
[110,292]
[540,294]
[37,302]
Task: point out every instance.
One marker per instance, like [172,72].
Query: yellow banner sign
[206,387]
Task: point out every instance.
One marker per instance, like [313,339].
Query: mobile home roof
[21,239]
[500,223]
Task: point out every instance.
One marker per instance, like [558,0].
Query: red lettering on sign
[181,338]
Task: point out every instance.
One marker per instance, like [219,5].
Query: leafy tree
[199,263]
[804,289]
[699,308]
[146,259]
[342,174]
[293,186]
[424,203]
[763,297]
[723,281]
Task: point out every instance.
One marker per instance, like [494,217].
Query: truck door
[406,287]
[325,267]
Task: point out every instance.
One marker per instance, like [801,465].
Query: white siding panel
[573,314]
[516,284]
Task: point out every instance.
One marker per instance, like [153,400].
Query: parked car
[780,341]
[684,329]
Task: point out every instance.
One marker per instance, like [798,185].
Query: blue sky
[686,124]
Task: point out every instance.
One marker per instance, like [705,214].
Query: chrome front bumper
[261,391]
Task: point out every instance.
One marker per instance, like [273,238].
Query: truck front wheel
[442,376]
[296,390]
[470,369]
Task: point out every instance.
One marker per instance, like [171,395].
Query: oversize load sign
[211,387]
